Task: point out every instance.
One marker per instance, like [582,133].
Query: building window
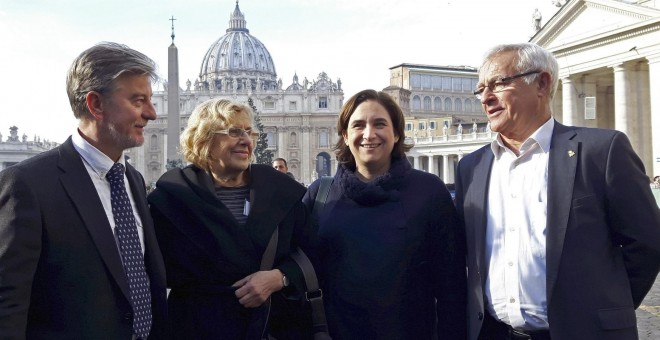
[269,105]
[432,125]
[437,83]
[416,103]
[293,106]
[447,104]
[271,140]
[409,126]
[323,102]
[422,126]
[446,83]
[437,104]
[468,105]
[153,142]
[427,103]
[293,140]
[458,105]
[467,85]
[477,105]
[456,84]
[426,82]
[323,139]
[415,81]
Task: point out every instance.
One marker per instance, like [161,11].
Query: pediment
[579,20]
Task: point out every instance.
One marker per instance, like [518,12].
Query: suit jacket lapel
[81,190]
[562,164]
[480,183]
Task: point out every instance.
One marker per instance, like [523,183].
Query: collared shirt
[98,164]
[516,232]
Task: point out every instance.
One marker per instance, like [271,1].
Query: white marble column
[643,125]
[569,114]
[622,107]
[431,161]
[445,168]
[654,88]
[416,162]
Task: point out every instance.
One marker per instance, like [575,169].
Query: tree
[261,152]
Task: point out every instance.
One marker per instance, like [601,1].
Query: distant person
[563,233]
[214,219]
[280,165]
[78,254]
[391,255]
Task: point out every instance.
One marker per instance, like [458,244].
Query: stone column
[569,114]
[641,96]
[445,168]
[654,87]
[416,162]
[431,159]
[621,99]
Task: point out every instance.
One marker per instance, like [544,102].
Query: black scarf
[384,188]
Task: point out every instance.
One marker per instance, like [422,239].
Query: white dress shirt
[516,232]
[98,164]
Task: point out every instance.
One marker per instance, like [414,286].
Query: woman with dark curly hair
[389,239]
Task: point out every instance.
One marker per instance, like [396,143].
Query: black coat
[386,252]
[206,250]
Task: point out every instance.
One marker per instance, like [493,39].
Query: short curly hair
[210,116]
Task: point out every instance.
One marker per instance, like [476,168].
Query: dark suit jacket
[602,237]
[61,275]
[206,250]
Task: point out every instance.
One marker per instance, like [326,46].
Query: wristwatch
[285,280]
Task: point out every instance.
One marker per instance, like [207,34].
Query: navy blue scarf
[384,188]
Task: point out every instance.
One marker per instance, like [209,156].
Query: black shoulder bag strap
[314,294]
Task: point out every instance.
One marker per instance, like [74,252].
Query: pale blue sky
[355,40]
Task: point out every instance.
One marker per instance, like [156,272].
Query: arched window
[416,103]
[437,104]
[271,140]
[427,103]
[477,105]
[447,104]
[153,142]
[458,105]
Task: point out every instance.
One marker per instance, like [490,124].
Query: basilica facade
[299,116]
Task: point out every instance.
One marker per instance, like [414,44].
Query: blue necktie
[131,251]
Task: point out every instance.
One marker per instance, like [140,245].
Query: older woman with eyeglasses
[214,221]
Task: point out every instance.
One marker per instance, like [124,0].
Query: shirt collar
[97,160]
[542,136]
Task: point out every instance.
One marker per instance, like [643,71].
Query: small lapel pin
[571,153]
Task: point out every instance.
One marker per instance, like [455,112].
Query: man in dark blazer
[562,230]
[61,270]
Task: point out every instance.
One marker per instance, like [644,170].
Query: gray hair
[529,57]
[96,69]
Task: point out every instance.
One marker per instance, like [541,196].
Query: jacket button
[480,315]
[128,316]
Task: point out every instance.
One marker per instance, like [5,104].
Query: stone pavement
[648,314]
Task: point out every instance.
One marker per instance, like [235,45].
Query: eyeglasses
[500,84]
[235,132]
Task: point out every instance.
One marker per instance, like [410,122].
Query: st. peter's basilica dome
[237,60]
